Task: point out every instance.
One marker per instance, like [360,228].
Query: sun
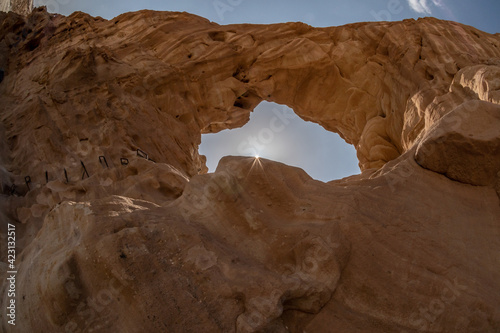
[256,156]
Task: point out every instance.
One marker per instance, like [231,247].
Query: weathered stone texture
[412,244]
[21,7]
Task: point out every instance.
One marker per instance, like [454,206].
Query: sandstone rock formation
[112,240]
[22,7]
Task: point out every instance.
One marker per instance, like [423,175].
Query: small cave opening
[276,133]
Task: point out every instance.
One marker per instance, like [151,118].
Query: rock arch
[251,247]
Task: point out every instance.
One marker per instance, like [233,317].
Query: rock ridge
[120,228]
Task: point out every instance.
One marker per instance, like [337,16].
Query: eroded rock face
[21,7]
[464,145]
[110,238]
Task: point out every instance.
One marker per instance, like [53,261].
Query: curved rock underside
[412,244]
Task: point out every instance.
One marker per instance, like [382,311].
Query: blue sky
[274,132]
[482,14]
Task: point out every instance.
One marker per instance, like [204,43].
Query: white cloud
[421,6]
[438,3]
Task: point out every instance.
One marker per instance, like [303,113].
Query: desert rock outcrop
[120,229]
[22,7]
